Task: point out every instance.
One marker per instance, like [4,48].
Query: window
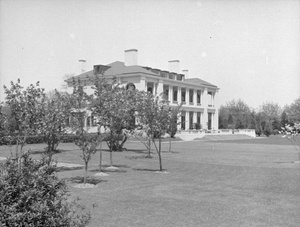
[198,97]
[166,92]
[183,95]
[191,91]
[175,94]
[150,88]
[199,117]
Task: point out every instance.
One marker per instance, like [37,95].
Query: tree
[284,119]
[25,107]
[223,118]
[258,124]
[293,111]
[101,93]
[173,122]
[154,113]
[235,114]
[88,143]
[271,116]
[54,127]
[115,106]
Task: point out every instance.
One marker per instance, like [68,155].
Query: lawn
[227,183]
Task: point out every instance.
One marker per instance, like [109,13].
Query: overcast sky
[249,49]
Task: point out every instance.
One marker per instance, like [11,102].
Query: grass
[227,183]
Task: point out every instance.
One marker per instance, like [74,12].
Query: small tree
[26,107]
[115,107]
[86,142]
[173,122]
[54,126]
[155,113]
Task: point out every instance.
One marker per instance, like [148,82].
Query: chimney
[82,63]
[174,66]
[130,57]
[186,73]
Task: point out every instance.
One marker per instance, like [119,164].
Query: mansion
[197,96]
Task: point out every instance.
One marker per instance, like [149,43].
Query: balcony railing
[210,105]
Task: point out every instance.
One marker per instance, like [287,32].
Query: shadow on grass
[105,170]
[63,168]
[149,170]
[171,152]
[80,180]
[139,151]
[139,157]
[44,152]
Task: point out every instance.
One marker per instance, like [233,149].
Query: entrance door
[183,120]
[209,121]
[191,119]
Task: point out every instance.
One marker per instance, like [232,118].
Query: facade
[197,96]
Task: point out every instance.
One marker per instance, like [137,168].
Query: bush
[197,126]
[31,195]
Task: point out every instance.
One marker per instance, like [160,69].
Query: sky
[249,49]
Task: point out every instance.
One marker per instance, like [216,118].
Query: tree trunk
[86,169]
[111,147]
[122,143]
[170,142]
[149,148]
[100,164]
[159,154]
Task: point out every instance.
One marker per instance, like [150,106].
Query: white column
[195,97]
[205,105]
[187,120]
[187,96]
[179,95]
[216,120]
[142,86]
[160,87]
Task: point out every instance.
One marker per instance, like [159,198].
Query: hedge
[70,138]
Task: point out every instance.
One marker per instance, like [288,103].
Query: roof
[199,82]
[118,68]
[114,69]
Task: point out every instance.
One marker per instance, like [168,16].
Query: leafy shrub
[197,126]
[31,195]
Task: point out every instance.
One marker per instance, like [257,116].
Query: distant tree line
[268,119]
